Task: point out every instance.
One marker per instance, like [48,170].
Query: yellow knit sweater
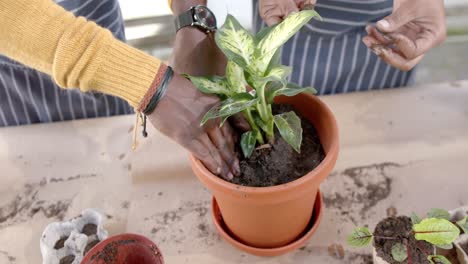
[75,52]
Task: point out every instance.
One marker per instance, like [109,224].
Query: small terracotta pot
[125,248]
[272,217]
[461,254]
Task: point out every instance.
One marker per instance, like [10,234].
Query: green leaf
[230,106]
[360,237]
[279,72]
[210,85]
[291,89]
[248,140]
[235,77]
[438,213]
[438,259]
[436,231]
[446,246]
[277,36]
[289,126]
[263,32]
[463,224]
[236,42]
[259,122]
[415,219]
[399,252]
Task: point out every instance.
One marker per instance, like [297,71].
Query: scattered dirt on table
[336,251]
[26,205]
[355,190]
[358,258]
[60,243]
[67,260]
[89,229]
[399,228]
[392,211]
[281,163]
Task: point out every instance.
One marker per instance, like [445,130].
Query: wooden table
[402,150]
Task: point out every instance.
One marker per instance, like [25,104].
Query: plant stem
[253,126]
[265,112]
[385,237]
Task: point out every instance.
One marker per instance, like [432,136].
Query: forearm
[75,52]
[179,6]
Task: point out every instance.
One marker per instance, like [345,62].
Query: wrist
[180,6]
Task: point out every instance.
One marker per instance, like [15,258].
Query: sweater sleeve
[74,51]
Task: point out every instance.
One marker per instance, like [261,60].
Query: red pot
[125,248]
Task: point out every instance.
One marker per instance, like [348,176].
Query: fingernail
[368,29]
[218,170]
[230,176]
[366,42]
[383,24]
[377,50]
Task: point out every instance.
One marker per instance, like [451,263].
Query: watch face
[205,17]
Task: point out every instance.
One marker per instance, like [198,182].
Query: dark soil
[60,243]
[399,228]
[91,245]
[67,260]
[281,163]
[89,229]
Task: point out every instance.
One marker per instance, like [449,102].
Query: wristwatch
[198,16]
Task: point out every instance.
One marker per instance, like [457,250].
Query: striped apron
[330,56]
[28,96]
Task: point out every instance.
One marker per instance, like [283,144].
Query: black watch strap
[184,20]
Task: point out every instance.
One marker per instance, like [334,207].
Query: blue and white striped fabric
[28,96]
[329,55]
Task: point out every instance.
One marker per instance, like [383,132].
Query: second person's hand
[274,11]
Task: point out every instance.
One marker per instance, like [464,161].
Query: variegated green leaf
[259,122]
[230,106]
[263,32]
[463,224]
[446,246]
[436,231]
[277,36]
[279,72]
[248,141]
[438,213]
[289,126]
[236,42]
[291,89]
[399,252]
[235,77]
[360,237]
[210,85]
[438,259]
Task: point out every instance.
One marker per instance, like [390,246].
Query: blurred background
[149,26]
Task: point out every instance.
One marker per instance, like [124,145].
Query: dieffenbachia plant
[435,229]
[254,61]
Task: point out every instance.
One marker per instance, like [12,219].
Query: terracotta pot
[270,217]
[457,215]
[125,248]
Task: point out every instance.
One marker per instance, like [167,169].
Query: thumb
[397,19]
[290,7]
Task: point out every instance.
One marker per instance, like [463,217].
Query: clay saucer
[269,252]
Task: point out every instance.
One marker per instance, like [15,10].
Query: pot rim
[125,236]
[330,158]
[297,243]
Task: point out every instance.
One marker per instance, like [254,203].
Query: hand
[178,116]
[403,38]
[274,11]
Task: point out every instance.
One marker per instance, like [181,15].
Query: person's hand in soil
[274,11]
[404,37]
[178,116]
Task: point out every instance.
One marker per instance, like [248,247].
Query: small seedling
[436,229]
[254,61]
